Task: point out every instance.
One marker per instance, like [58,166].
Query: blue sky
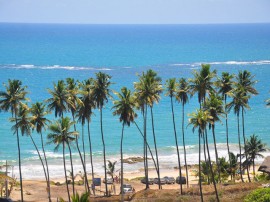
[135,11]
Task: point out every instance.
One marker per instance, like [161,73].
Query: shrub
[259,195]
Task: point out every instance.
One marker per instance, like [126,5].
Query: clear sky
[135,11]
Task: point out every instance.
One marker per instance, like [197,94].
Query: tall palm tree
[182,96]
[40,122]
[124,107]
[148,91]
[101,94]
[60,102]
[225,85]
[239,101]
[214,105]
[200,120]
[84,114]
[202,84]
[171,86]
[61,134]
[254,148]
[25,125]
[74,102]
[246,82]
[9,100]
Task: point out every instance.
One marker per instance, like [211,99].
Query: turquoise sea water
[42,54]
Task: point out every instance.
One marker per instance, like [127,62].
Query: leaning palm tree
[73,103]
[124,107]
[254,148]
[24,124]
[239,101]
[40,122]
[214,105]
[171,86]
[9,100]
[225,85]
[84,113]
[61,134]
[199,120]
[182,96]
[101,94]
[245,81]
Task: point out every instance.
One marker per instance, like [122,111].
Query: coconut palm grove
[71,105]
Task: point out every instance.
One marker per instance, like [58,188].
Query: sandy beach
[35,190]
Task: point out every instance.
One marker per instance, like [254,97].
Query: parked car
[181,180]
[109,181]
[162,181]
[150,181]
[169,180]
[127,189]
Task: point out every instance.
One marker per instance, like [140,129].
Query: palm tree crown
[125,106]
[183,91]
[38,116]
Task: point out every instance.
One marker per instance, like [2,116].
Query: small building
[265,166]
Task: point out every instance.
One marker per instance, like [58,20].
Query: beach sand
[35,190]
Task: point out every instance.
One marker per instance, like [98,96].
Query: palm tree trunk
[84,161]
[47,168]
[91,156]
[104,151]
[72,171]
[19,154]
[184,144]
[65,170]
[215,145]
[205,158]
[80,154]
[239,142]
[227,133]
[154,136]
[177,149]
[145,149]
[149,149]
[244,137]
[211,168]
[44,170]
[122,170]
[200,179]
[253,168]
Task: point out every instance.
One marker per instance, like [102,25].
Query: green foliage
[262,177]
[83,198]
[259,195]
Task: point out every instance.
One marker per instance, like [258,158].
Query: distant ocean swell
[195,64]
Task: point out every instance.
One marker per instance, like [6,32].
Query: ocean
[41,54]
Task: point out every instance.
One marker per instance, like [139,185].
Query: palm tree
[61,135]
[200,120]
[85,113]
[73,103]
[101,94]
[246,83]
[171,86]
[233,164]
[239,101]
[59,102]
[182,96]
[9,100]
[214,105]
[40,122]
[111,168]
[225,85]
[148,91]
[124,107]
[202,84]
[254,148]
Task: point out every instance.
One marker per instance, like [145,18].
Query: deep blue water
[42,54]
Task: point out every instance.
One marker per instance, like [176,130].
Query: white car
[127,189]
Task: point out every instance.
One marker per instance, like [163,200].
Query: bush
[259,195]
